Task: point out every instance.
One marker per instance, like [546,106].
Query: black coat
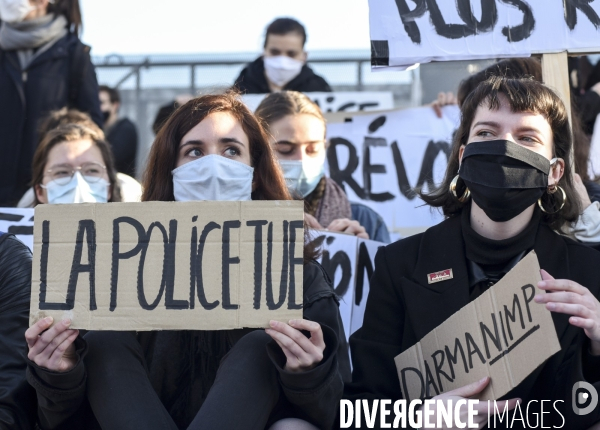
[402,308]
[17,398]
[123,139]
[27,96]
[252,80]
[315,394]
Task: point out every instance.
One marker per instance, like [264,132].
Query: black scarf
[489,260]
[486,251]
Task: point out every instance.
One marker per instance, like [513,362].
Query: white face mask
[77,190]
[302,177]
[282,69]
[213,177]
[12,11]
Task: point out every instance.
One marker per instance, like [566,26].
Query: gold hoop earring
[564,200]
[452,189]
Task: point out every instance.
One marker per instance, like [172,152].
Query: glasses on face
[91,172]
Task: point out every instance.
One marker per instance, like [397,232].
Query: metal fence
[148,82]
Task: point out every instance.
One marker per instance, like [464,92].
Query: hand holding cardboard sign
[345,225]
[302,353]
[52,348]
[484,409]
[570,298]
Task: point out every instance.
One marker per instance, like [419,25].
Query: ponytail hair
[71,11]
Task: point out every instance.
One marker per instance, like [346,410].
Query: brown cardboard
[533,341]
[70,229]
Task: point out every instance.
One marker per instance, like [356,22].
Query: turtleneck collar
[484,251]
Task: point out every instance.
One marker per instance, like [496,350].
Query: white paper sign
[18,221]
[419,31]
[349,262]
[339,101]
[381,159]
[338,257]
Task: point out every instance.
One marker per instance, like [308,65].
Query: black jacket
[123,139]
[27,96]
[252,80]
[402,308]
[17,398]
[588,105]
[315,393]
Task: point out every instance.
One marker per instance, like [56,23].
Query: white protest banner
[18,221]
[381,159]
[338,257]
[349,262]
[351,101]
[502,334]
[168,265]
[419,31]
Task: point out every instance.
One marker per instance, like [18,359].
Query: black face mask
[504,178]
[105,115]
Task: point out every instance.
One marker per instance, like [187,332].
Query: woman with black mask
[43,67]
[508,190]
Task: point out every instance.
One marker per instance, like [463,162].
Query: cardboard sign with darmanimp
[168,265]
[502,334]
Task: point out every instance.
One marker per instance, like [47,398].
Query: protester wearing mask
[283,63]
[211,147]
[120,132]
[130,189]
[43,67]
[587,227]
[508,186]
[297,128]
[73,164]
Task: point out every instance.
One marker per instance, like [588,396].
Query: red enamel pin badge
[443,275]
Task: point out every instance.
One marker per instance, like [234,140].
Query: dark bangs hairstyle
[531,67]
[70,133]
[269,183]
[523,95]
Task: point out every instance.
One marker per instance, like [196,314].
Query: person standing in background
[283,63]
[120,133]
[43,66]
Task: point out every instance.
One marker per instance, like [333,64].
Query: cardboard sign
[381,160]
[349,262]
[18,221]
[352,101]
[419,31]
[168,265]
[502,334]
